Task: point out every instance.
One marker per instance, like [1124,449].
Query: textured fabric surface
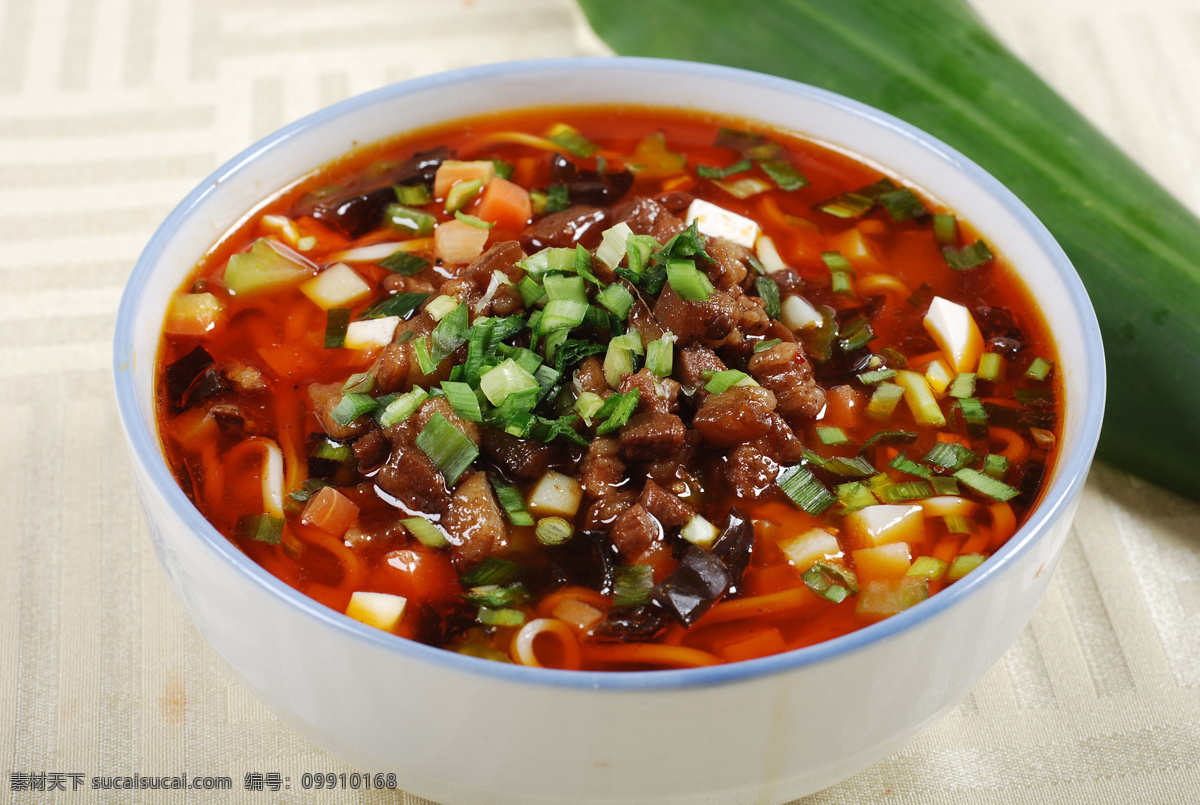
[111,110]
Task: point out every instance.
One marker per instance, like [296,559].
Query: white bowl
[459,729]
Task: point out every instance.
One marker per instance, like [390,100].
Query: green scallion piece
[500,617]
[623,407]
[332,451]
[708,172]
[721,381]
[876,375]
[853,467]
[562,314]
[928,567]
[890,437]
[847,205]
[688,282]
[964,564]
[969,256]
[830,581]
[986,485]
[553,531]
[632,585]
[975,416]
[557,198]
[1039,369]
[905,464]
[1034,398]
[462,194]
[660,355]
[428,534]
[943,485]
[963,385]
[402,407]
[573,141]
[950,456]
[413,194]
[511,501]
[991,367]
[496,597]
[504,169]
[833,436]
[507,378]
[884,401]
[351,407]
[803,488]
[768,291]
[260,527]
[401,262]
[359,383]
[449,335]
[763,346]
[905,491]
[462,400]
[447,447]
[958,524]
[854,495]
[471,220]
[531,291]
[336,321]
[402,305]
[784,174]
[492,570]
[996,465]
[617,298]
[903,204]
[417,223]
[945,229]
[856,334]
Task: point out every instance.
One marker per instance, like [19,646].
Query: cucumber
[934,64]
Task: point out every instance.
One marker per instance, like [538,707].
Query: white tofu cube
[719,222]
[381,610]
[371,332]
[957,335]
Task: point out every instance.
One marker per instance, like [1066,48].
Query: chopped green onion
[688,282]
[351,407]
[968,256]
[763,346]
[1039,369]
[260,527]
[531,291]
[986,485]
[612,247]
[903,204]
[1035,398]
[720,381]
[332,451]
[492,570]
[632,585]
[905,464]
[495,596]
[950,456]
[945,229]
[855,467]
[964,564]
[783,174]
[573,141]
[743,188]
[587,404]
[830,581]
[623,407]
[890,436]
[841,273]
[884,401]
[959,524]
[738,139]
[462,400]
[928,567]
[461,194]
[963,385]
[991,366]
[441,307]
[876,375]
[803,488]
[417,223]
[336,321]
[401,262]
[412,194]
[471,220]
[847,205]
[500,617]
[856,334]
[975,416]
[402,305]
[511,501]
[447,447]
[617,298]
[832,436]
[708,172]
[507,378]
[557,198]
[359,383]
[402,407]
[905,491]
[449,335]
[768,291]
[854,495]
[553,531]
[996,465]
[943,485]
[503,169]
[428,534]
[660,355]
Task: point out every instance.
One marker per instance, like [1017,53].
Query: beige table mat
[111,110]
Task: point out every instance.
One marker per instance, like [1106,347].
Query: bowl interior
[235,189]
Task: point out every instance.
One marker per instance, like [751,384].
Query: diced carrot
[453,171]
[505,204]
[330,511]
[762,644]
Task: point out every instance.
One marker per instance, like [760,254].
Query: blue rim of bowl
[1069,476]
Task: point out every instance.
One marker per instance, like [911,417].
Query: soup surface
[609,389]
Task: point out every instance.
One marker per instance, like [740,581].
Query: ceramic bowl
[462,730]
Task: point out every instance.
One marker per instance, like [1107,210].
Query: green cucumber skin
[933,64]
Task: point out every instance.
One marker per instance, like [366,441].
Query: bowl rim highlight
[1068,476]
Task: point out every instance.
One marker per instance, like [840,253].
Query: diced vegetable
[719,222]
[453,171]
[330,511]
[264,268]
[367,333]
[890,561]
[194,314]
[505,204]
[886,597]
[381,610]
[920,399]
[954,330]
[813,545]
[879,525]
[797,314]
[555,495]
[459,243]
[699,531]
